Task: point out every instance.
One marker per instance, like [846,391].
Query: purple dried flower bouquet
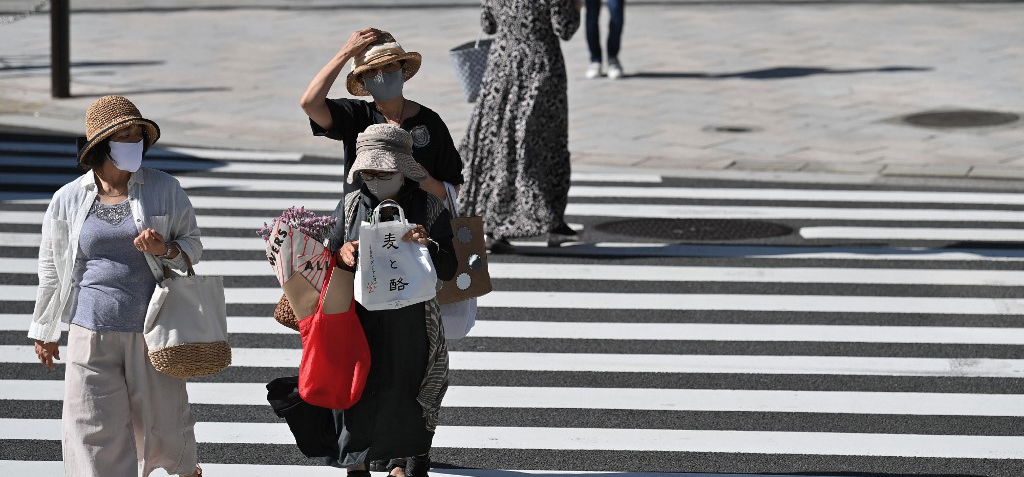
[296,243]
[317,227]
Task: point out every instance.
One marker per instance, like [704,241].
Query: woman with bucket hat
[380,69]
[397,415]
[106,238]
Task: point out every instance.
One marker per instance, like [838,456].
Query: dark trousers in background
[617,10]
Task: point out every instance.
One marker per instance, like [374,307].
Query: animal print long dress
[516,151]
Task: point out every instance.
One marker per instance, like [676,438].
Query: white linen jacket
[157,201]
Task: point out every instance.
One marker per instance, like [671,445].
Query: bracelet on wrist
[170,248]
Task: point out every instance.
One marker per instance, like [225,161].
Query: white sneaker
[594,70]
[614,69]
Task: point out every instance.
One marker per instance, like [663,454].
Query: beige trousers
[122,417]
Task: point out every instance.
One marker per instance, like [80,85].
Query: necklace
[401,113]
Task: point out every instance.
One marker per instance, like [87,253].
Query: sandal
[418,466]
[399,463]
[498,245]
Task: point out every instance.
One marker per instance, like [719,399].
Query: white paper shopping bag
[392,273]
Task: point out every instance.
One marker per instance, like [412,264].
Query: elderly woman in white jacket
[106,239]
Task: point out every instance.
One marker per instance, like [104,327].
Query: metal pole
[60,49]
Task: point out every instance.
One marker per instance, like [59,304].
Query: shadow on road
[781,72]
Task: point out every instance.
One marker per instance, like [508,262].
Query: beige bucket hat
[106,116]
[385,147]
[385,50]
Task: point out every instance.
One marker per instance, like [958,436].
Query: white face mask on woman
[384,189]
[127,156]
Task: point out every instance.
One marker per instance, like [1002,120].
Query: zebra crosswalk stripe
[647,440]
[606,329]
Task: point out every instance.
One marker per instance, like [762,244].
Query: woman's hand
[347,253]
[150,241]
[47,352]
[358,42]
[418,234]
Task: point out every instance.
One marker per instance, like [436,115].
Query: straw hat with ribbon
[106,116]
[387,148]
[384,51]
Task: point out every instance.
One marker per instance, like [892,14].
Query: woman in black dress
[397,414]
[516,148]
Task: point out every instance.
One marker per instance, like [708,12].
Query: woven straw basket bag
[186,325]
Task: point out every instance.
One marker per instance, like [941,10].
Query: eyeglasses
[366,175]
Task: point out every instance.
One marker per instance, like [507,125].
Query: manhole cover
[965,118]
[695,229]
[732,129]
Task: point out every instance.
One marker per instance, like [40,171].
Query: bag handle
[450,201]
[327,281]
[190,272]
[390,203]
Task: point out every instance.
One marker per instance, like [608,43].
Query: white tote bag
[392,273]
[460,316]
[186,327]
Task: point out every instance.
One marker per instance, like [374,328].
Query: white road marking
[652,363]
[913,233]
[649,440]
[681,301]
[725,400]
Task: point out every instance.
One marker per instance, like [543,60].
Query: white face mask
[384,189]
[127,156]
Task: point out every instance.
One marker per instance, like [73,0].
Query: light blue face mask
[385,86]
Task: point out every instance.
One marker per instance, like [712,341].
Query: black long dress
[397,413]
[516,148]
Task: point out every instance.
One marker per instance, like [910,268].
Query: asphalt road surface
[852,329]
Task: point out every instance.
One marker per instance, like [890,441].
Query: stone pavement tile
[717,164]
[937,170]
[984,172]
[826,156]
[762,165]
[914,158]
[607,159]
[1015,162]
[843,167]
[757,147]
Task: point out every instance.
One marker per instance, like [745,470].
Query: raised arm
[314,100]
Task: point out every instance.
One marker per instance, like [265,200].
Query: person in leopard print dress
[515,153]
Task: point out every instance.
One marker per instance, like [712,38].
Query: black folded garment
[312,426]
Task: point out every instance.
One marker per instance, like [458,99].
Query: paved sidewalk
[816,85]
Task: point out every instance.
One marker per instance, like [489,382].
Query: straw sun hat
[106,116]
[385,50]
[388,148]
